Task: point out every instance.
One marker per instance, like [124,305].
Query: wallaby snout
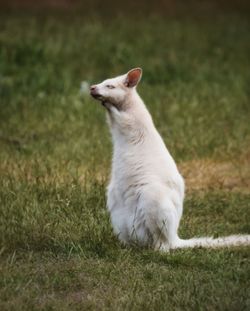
[92,87]
[94,91]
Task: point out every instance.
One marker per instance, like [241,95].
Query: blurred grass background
[57,247]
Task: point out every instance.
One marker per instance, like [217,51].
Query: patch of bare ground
[199,174]
[209,174]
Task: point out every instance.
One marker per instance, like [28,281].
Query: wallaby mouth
[96,96]
[94,93]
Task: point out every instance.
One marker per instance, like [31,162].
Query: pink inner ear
[133,77]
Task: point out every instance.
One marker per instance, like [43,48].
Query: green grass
[58,251]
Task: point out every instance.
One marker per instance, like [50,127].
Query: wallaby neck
[132,125]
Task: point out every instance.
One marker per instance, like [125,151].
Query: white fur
[146,192]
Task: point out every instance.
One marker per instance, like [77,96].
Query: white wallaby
[146,192]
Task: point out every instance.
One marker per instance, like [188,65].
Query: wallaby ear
[133,77]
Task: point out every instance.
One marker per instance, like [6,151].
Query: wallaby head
[117,91]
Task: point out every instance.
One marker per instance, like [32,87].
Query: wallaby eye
[109,86]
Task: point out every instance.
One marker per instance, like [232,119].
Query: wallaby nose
[93,87]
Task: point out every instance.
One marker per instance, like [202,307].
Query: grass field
[58,251]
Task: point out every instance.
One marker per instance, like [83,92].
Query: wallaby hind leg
[161,220]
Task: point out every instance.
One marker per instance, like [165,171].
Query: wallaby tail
[208,242]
